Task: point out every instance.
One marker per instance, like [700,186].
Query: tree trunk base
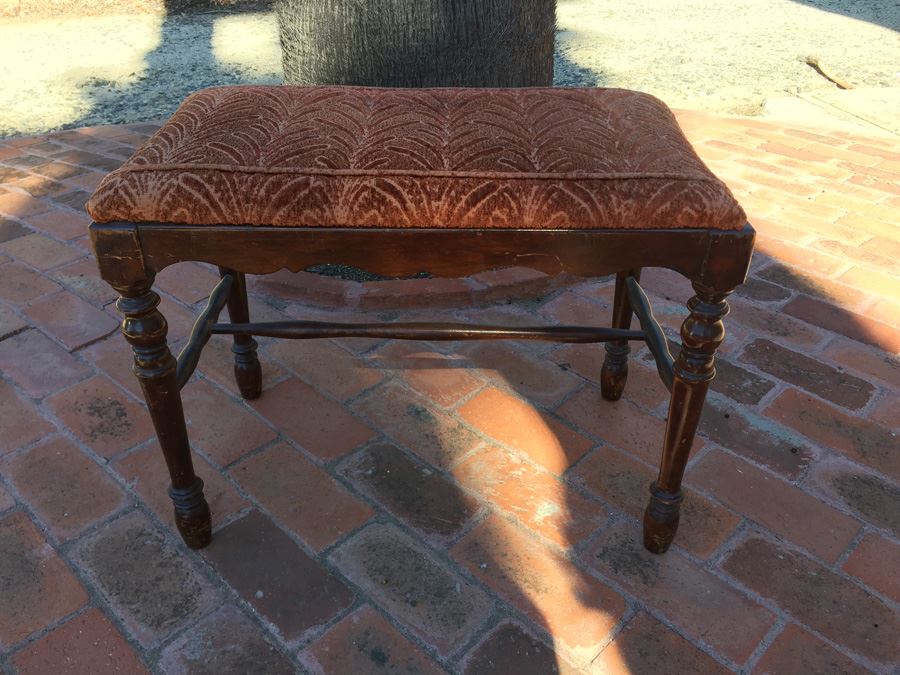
[418,43]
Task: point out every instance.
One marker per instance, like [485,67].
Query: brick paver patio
[395,507]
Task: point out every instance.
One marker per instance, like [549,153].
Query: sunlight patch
[247,42]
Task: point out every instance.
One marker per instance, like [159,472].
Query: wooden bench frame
[130,255]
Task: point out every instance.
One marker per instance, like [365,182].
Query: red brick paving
[514,422]
[470,507]
[102,416]
[81,279]
[807,373]
[415,423]
[578,610]
[137,572]
[705,607]
[36,364]
[870,496]
[534,497]
[277,577]
[510,648]
[70,320]
[145,472]
[502,364]
[786,510]
[366,642]
[225,642]
[308,501]
[442,378]
[426,499]
[67,490]
[797,651]
[40,252]
[20,284]
[887,411]
[37,588]
[876,561]
[824,600]
[85,643]
[22,422]
[220,425]
[188,283]
[620,479]
[622,424]
[864,441]
[326,366]
[319,424]
[647,646]
[406,579]
[844,322]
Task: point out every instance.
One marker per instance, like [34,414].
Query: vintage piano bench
[254,179]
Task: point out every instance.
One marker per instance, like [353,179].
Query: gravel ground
[718,55]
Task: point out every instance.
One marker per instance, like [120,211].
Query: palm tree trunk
[418,43]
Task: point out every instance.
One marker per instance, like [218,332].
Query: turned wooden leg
[145,328]
[247,371]
[701,334]
[614,372]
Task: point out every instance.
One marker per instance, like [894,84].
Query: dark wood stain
[716,261]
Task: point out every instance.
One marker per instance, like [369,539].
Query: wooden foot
[661,519]
[192,516]
[247,371]
[614,372]
[701,334]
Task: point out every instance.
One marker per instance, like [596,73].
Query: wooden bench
[455,181]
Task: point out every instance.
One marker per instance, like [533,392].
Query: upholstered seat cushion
[457,158]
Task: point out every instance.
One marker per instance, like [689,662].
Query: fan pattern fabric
[426,158]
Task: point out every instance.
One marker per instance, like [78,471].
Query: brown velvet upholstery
[461,158]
